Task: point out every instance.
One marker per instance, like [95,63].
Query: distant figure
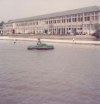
[73,39]
[15,41]
[39,41]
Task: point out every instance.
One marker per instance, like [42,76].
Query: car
[97,33]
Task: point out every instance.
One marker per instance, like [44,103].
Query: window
[88,18]
[96,17]
[81,18]
[55,21]
[69,19]
[75,19]
[63,20]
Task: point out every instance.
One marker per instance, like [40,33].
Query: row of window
[70,27]
[8,25]
[80,19]
[57,21]
[66,19]
[27,24]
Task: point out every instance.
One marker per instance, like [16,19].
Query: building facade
[77,21]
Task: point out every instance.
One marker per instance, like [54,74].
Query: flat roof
[58,14]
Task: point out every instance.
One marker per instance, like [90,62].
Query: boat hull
[40,47]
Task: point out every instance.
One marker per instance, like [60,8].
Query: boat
[40,47]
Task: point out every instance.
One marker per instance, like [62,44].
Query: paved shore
[57,40]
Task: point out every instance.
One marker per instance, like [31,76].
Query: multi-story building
[81,21]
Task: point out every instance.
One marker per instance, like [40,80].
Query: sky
[15,9]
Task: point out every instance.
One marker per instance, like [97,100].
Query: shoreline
[73,41]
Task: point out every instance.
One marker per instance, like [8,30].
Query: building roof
[58,14]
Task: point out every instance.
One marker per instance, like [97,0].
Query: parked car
[97,33]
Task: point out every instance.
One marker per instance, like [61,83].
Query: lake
[69,74]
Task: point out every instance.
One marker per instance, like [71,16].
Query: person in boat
[39,41]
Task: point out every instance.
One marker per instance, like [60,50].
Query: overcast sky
[15,9]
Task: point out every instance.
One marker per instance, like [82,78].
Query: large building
[77,21]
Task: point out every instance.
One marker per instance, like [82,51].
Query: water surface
[69,74]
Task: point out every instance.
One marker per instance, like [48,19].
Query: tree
[1,23]
[97,30]
[97,27]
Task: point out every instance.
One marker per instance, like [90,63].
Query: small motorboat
[40,47]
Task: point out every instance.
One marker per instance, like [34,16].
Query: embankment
[78,39]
